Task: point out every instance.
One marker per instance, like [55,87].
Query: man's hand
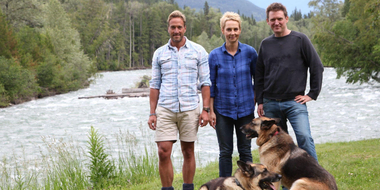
[152,122]
[260,110]
[302,99]
[203,119]
[212,119]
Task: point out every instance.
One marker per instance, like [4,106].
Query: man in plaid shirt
[179,69]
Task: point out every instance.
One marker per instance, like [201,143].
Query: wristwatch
[206,109]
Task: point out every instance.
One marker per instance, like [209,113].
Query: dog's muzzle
[249,133]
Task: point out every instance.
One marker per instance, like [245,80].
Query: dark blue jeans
[225,130]
[298,117]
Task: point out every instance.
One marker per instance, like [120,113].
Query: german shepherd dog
[248,176]
[278,152]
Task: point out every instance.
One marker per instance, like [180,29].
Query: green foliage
[22,12]
[242,7]
[65,168]
[36,54]
[134,165]
[63,43]
[7,41]
[346,7]
[206,8]
[18,84]
[120,35]
[349,44]
[101,167]
[4,98]
[43,56]
[209,44]
[144,83]
[74,67]
[296,15]
[373,8]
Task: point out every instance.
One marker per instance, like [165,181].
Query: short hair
[229,16]
[177,14]
[276,7]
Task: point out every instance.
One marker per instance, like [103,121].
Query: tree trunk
[133,40]
[130,40]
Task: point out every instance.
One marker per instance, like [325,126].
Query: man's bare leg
[165,165]
[188,169]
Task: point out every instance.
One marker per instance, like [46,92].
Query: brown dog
[278,152]
[248,176]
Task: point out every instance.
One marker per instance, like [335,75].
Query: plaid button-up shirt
[179,75]
[232,80]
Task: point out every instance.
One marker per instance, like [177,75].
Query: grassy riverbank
[355,165]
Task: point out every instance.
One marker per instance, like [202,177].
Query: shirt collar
[172,47]
[225,50]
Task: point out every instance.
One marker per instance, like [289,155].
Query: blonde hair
[229,16]
[177,14]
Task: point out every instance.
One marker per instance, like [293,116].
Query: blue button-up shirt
[179,74]
[232,80]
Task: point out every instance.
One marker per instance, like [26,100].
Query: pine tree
[206,8]
[8,41]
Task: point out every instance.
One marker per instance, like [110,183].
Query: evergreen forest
[49,47]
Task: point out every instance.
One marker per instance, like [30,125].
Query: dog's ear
[246,168]
[277,120]
[267,124]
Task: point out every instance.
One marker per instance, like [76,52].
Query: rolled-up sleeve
[212,65]
[155,82]
[203,70]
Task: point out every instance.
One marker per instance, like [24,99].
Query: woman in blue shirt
[232,104]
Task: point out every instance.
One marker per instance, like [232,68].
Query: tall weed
[100,166]
[137,163]
[63,166]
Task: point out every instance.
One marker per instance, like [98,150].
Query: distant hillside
[244,6]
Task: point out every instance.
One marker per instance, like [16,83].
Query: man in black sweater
[281,76]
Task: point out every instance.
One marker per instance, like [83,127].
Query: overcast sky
[290,5]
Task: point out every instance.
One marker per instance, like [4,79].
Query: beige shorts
[170,124]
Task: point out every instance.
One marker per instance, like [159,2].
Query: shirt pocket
[191,62]
[166,63]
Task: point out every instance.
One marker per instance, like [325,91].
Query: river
[343,112]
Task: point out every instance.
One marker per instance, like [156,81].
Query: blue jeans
[298,117]
[225,130]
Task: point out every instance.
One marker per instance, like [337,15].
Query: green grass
[355,165]
[65,165]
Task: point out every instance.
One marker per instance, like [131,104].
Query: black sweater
[282,65]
